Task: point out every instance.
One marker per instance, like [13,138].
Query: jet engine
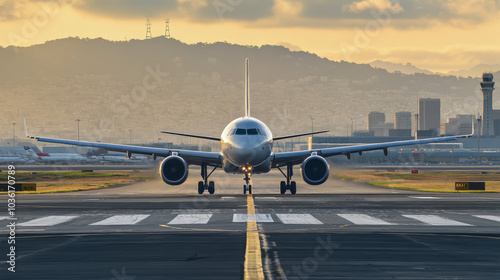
[314,170]
[174,170]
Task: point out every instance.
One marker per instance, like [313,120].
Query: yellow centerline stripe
[253,257]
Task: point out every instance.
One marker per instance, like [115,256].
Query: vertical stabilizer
[247,89]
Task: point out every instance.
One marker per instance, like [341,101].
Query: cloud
[403,14]
[442,61]
[236,10]
[193,10]
[379,5]
[127,8]
[8,11]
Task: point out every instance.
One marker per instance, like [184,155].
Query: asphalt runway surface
[339,230]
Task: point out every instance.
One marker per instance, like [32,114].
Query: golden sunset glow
[441,37]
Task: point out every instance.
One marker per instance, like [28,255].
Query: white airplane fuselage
[246,143]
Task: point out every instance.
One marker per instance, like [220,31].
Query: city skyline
[438,36]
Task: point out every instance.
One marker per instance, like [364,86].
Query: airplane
[246,148]
[119,159]
[61,158]
[27,156]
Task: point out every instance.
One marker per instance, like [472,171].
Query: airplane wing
[298,157]
[298,135]
[191,157]
[192,135]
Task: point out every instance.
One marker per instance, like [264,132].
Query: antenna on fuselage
[247,89]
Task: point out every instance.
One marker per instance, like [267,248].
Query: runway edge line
[253,257]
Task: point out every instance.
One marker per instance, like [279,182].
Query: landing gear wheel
[282,187]
[201,187]
[211,187]
[244,189]
[250,189]
[293,187]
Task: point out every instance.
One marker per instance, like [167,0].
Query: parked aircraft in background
[246,148]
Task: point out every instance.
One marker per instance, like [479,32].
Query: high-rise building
[429,114]
[487,87]
[375,119]
[402,120]
[460,125]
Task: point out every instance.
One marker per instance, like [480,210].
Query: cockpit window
[261,132]
[241,131]
[252,131]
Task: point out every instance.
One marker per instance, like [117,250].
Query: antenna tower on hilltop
[167,28]
[148,29]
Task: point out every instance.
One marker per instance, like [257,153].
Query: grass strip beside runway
[433,186]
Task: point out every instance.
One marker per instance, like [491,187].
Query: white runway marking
[259,218]
[298,219]
[3,218]
[48,221]
[266,198]
[362,219]
[184,219]
[121,220]
[425,197]
[436,220]
[489,217]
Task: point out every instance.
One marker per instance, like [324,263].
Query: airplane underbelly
[241,157]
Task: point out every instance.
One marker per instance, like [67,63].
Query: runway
[339,230]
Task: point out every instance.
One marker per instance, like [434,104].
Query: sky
[437,35]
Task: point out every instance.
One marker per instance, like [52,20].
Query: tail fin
[247,89]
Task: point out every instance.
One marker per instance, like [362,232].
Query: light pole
[352,126]
[78,128]
[14,134]
[312,126]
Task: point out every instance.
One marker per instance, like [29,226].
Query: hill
[112,87]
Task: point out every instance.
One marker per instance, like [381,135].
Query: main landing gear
[288,185]
[247,187]
[205,185]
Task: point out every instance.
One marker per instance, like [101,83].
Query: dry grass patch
[433,186]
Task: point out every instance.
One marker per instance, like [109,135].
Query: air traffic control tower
[487,87]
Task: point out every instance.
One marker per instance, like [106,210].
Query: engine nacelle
[315,170]
[174,170]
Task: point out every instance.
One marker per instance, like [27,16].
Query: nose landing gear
[247,187]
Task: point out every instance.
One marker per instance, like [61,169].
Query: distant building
[487,87]
[460,125]
[382,129]
[429,114]
[375,119]
[402,120]
[399,132]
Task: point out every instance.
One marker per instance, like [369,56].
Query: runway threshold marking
[299,219]
[362,219]
[253,257]
[121,220]
[186,219]
[48,221]
[489,217]
[435,220]
[260,218]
